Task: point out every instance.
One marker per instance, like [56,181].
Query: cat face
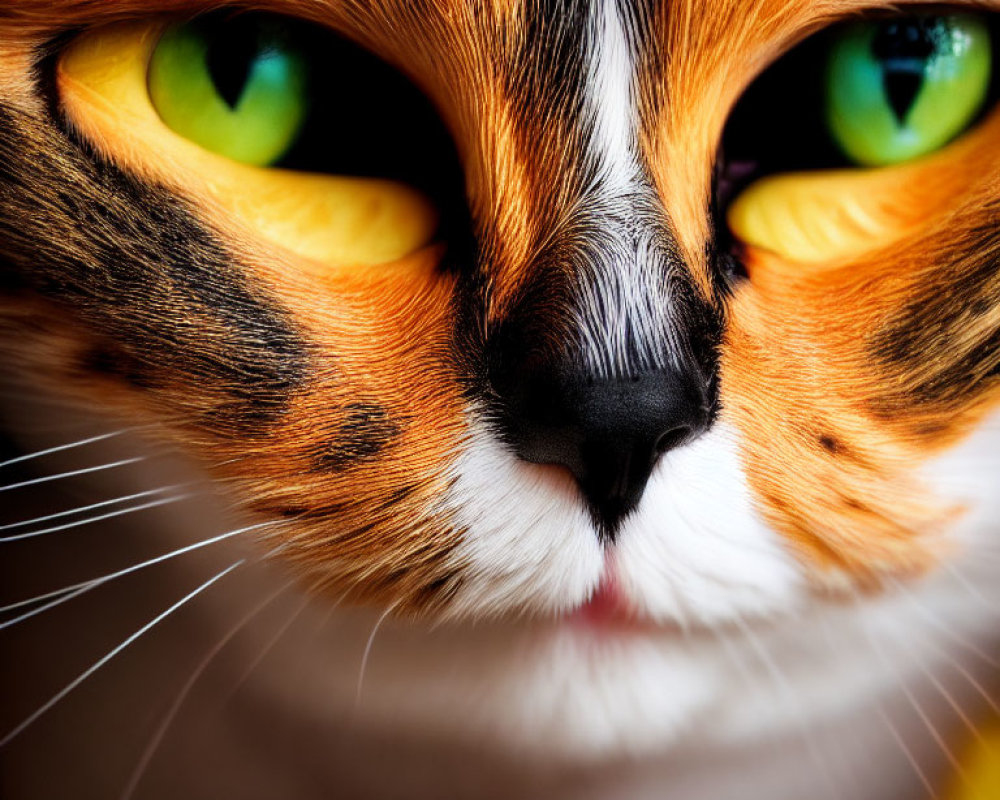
[590,392]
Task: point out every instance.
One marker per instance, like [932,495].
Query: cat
[618,389]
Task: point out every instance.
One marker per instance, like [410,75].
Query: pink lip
[607,607]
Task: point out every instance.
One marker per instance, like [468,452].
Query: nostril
[672,438]
[609,432]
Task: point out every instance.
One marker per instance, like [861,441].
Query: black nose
[609,432]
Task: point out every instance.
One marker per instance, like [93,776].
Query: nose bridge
[579,239]
[599,350]
[607,360]
[559,134]
[628,289]
[610,296]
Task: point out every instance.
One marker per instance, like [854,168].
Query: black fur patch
[131,261]
[115,363]
[830,444]
[921,342]
[364,432]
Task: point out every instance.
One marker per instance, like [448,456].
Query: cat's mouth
[606,607]
[609,610]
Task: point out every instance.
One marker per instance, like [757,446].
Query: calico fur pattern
[554,229]
[596,246]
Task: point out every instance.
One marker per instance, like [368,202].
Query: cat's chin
[583,686]
[601,681]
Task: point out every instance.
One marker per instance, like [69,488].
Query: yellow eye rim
[820,216]
[831,216]
[338,222]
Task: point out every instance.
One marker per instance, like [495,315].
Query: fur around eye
[332,222]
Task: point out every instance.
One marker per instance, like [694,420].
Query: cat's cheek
[966,474]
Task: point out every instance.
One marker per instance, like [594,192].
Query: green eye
[898,89]
[236,88]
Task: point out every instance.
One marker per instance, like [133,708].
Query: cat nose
[608,432]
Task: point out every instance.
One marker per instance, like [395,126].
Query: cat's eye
[898,89]
[881,107]
[291,130]
[238,89]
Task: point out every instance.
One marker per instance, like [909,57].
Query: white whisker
[157,737]
[956,573]
[111,654]
[941,688]
[109,515]
[64,597]
[72,473]
[269,645]
[894,732]
[938,625]
[90,507]
[784,690]
[932,729]
[368,650]
[112,575]
[879,652]
[61,447]
[961,670]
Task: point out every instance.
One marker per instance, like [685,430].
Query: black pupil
[904,47]
[232,51]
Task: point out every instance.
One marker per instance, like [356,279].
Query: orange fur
[832,429]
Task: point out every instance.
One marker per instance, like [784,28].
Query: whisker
[787,696]
[63,598]
[368,650]
[839,746]
[943,691]
[269,645]
[112,575]
[90,507]
[72,473]
[112,653]
[961,670]
[879,652]
[932,730]
[98,518]
[905,748]
[157,737]
[964,582]
[938,625]
[61,447]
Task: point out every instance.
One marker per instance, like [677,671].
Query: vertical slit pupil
[904,48]
[233,47]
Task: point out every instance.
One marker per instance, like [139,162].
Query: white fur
[610,102]
[761,659]
[529,540]
[695,551]
[796,697]
[623,270]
